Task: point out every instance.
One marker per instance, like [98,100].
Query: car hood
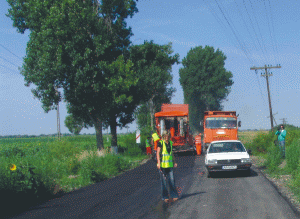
[229,155]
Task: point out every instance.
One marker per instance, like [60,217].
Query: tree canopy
[205,82]
[78,47]
[153,64]
[74,126]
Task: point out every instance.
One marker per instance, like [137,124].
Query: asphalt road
[136,194]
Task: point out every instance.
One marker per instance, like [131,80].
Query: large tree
[77,47]
[153,63]
[205,81]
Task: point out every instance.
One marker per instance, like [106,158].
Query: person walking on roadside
[148,146]
[281,132]
[165,164]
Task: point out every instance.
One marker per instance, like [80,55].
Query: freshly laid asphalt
[137,194]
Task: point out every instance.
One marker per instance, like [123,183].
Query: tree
[205,81]
[153,64]
[77,47]
[74,126]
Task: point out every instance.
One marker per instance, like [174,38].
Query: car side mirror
[249,151]
[239,124]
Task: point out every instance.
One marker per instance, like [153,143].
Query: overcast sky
[250,33]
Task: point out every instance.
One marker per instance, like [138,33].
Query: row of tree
[80,51]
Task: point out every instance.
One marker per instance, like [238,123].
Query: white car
[227,155]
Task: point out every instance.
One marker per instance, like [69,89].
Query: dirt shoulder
[280,182]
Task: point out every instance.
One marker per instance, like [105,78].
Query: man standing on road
[281,132]
[165,164]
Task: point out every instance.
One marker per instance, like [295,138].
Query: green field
[40,167]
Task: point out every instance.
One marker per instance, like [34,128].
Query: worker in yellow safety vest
[155,139]
[165,164]
[148,146]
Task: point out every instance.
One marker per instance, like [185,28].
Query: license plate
[229,167]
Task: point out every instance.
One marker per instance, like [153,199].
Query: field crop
[38,168]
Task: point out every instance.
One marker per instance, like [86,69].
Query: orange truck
[219,125]
[174,118]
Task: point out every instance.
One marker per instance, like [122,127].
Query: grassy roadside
[284,174]
[38,169]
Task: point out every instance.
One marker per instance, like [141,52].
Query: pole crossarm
[265,67]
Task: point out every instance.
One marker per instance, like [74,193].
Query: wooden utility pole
[273,118]
[58,119]
[267,75]
[283,121]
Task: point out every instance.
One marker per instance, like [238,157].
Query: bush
[292,155]
[273,158]
[262,142]
[134,151]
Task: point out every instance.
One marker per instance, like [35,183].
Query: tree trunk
[152,113]
[98,127]
[113,130]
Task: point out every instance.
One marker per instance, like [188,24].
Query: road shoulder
[280,183]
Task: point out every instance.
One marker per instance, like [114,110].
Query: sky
[249,32]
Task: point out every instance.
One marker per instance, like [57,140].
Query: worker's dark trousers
[167,177]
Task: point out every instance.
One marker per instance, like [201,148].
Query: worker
[281,132]
[165,164]
[148,146]
[155,139]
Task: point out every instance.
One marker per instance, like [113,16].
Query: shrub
[262,142]
[134,151]
[273,158]
[292,155]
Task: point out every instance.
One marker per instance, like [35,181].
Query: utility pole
[267,75]
[58,119]
[283,121]
[273,118]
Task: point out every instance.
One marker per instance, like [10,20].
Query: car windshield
[221,123]
[222,147]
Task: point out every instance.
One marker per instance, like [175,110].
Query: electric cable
[11,52]
[254,30]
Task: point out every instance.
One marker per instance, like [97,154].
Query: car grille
[235,161]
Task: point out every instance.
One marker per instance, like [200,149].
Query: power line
[9,62]
[11,52]
[237,6]
[8,68]
[276,44]
[271,36]
[255,31]
[234,33]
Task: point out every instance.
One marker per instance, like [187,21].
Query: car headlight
[212,161]
[246,160]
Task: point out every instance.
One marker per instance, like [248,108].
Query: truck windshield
[221,123]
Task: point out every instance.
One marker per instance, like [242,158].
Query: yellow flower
[13,167]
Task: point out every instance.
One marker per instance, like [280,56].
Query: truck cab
[220,125]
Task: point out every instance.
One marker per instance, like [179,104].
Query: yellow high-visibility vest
[167,158]
[147,143]
[155,136]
